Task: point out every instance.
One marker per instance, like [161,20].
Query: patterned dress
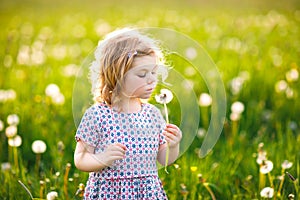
[135,176]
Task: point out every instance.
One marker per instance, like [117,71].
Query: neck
[129,105]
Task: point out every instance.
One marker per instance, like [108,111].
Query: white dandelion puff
[38,146]
[15,141]
[267,192]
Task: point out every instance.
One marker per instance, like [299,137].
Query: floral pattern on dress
[135,176]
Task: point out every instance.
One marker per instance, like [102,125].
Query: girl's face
[141,79]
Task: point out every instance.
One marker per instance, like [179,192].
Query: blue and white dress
[135,176]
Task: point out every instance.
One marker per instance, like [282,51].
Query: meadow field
[255,46]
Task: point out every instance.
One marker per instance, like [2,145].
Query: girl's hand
[112,153]
[173,135]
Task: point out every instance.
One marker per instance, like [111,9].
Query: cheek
[133,84]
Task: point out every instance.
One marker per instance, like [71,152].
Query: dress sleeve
[89,128]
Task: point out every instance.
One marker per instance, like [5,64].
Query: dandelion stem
[166,113]
[167,158]
[26,189]
[68,167]
[262,181]
[280,185]
[271,180]
[42,187]
[38,161]
[168,149]
[206,185]
[16,161]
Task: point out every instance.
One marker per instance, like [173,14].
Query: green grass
[261,38]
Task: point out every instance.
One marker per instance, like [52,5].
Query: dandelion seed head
[266,167]
[234,116]
[52,90]
[205,100]
[286,164]
[70,70]
[191,53]
[291,196]
[201,133]
[261,157]
[267,192]
[289,92]
[13,119]
[236,85]
[52,195]
[38,146]
[11,131]
[5,166]
[164,97]
[237,107]
[7,95]
[58,99]
[15,141]
[260,146]
[292,75]
[281,86]
[293,125]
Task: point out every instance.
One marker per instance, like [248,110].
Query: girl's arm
[86,160]
[173,136]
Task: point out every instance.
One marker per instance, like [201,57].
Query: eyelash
[144,75]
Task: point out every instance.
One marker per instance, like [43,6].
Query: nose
[151,78]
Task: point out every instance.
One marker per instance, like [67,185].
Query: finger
[170,136]
[172,126]
[172,131]
[121,145]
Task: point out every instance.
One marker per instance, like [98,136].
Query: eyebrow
[146,69]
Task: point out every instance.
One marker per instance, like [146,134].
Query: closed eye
[142,75]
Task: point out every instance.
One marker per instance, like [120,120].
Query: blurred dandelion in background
[201,133]
[292,75]
[281,86]
[53,91]
[7,95]
[205,100]
[237,107]
[236,84]
[286,164]
[191,53]
[11,131]
[38,147]
[15,141]
[13,119]
[267,192]
[52,195]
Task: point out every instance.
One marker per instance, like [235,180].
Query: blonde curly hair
[114,56]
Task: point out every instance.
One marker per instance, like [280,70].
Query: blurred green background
[45,42]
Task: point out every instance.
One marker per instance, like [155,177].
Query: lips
[150,90]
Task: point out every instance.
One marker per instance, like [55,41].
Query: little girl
[120,138]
